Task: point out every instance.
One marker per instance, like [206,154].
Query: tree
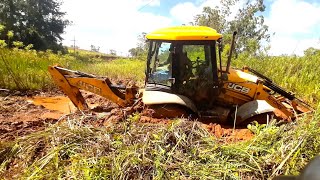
[37,22]
[133,52]
[312,52]
[142,47]
[113,52]
[95,48]
[251,28]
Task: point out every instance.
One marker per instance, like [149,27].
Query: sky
[294,25]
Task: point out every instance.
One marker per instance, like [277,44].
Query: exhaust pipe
[231,49]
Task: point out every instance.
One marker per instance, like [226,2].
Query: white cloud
[296,25]
[110,25]
[289,45]
[293,16]
[186,11]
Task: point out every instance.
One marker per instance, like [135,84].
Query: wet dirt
[228,133]
[22,115]
[64,105]
[58,103]
[19,117]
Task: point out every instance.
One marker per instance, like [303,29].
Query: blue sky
[116,24]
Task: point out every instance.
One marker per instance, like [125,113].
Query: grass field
[180,150]
[297,74]
[27,70]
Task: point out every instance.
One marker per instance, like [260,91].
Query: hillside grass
[92,54]
[297,74]
[27,70]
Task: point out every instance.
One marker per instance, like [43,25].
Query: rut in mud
[22,115]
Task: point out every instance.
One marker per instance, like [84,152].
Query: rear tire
[263,118]
[168,111]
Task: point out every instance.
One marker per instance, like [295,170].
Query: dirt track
[22,115]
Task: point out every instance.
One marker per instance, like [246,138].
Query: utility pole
[74,45]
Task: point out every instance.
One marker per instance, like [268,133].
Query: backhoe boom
[72,81]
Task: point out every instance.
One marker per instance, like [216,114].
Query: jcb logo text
[89,87]
[238,88]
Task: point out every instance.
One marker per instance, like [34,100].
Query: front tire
[168,111]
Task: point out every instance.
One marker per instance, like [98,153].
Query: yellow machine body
[172,78]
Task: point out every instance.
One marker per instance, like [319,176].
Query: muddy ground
[22,114]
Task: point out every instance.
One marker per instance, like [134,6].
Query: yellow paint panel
[184,33]
[240,76]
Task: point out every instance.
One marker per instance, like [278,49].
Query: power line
[297,44]
[145,5]
[74,45]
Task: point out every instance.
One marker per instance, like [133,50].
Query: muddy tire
[260,118]
[168,111]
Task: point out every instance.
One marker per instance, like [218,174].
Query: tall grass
[297,74]
[25,70]
[118,69]
[180,150]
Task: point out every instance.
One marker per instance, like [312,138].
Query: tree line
[39,23]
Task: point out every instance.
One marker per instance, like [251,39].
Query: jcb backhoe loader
[185,75]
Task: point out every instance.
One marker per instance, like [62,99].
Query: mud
[22,115]
[228,133]
[59,103]
[19,117]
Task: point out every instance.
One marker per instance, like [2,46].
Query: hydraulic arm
[72,81]
[297,104]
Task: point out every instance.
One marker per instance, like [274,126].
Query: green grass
[83,52]
[27,70]
[118,69]
[181,150]
[297,74]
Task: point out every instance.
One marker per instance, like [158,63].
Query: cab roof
[184,33]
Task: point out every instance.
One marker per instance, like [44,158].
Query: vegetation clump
[180,150]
